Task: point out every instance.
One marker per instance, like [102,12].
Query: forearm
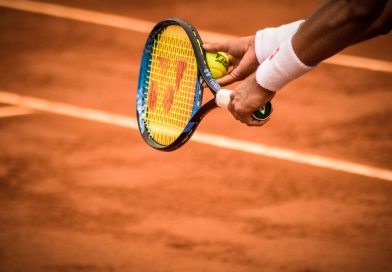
[333,26]
[382,26]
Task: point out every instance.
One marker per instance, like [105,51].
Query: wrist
[280,68]
[252,53]
[268,39]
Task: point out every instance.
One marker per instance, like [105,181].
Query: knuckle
[237,74]
[241,111]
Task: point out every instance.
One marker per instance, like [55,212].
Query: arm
[244,59]
[334,25]
[381,26]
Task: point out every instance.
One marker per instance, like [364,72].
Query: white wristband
[280,68]
[268,39]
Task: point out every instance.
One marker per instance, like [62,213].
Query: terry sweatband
[280,68]
[268,39]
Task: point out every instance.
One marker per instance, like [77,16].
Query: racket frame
[203,75]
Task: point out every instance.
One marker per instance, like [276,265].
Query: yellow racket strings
[171,85]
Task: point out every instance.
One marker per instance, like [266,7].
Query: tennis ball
[218,63]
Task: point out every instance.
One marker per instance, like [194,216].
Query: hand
[242,58]
[247,98]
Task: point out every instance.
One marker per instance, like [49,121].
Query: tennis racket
[170,87]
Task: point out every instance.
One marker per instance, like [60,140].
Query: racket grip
[222,99]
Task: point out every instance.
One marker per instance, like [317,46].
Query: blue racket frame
[203,75]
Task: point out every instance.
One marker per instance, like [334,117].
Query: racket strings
[171,85]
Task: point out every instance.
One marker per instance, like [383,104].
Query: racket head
[170,91]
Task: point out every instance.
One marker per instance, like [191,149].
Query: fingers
[250,121]
[237,74]
[226,80]
[246,118]
[215,47]
[246,66]
[243,62]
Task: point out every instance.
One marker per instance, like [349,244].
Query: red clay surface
[82,196]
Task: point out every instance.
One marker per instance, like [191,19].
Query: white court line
[144,26]
[10,111]
[205,138]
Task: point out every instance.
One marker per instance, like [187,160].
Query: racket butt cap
[264,113]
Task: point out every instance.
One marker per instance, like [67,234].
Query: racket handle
[222,99]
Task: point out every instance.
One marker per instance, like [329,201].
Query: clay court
[80,191]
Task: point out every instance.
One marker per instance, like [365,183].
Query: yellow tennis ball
[218,63]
